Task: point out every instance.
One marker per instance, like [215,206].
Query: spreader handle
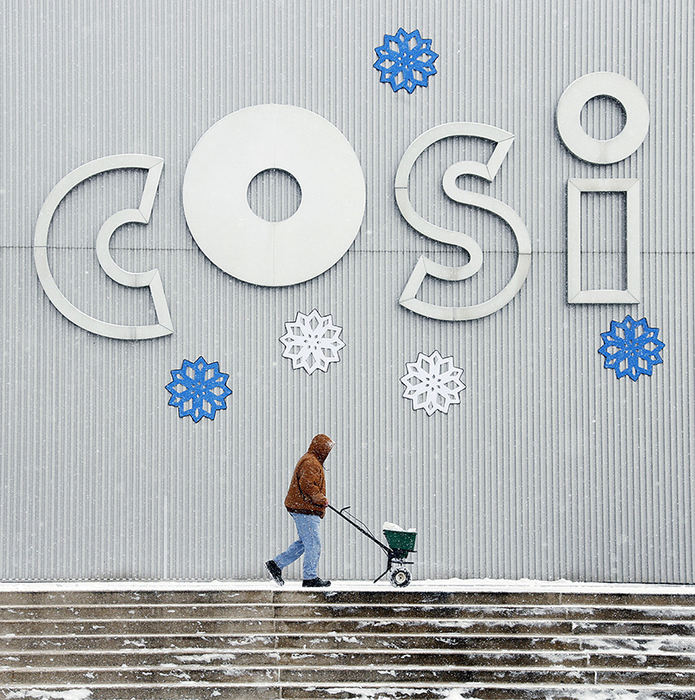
[357,527]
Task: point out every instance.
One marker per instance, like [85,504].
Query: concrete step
[234,674]
[98,659]
[156,691]
[207,643]
[379,611]
[491,692]
[192,626]
[109,596]
[161,691]
[388,596]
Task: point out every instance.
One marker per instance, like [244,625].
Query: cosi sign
[241,145]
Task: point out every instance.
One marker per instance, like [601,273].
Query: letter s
[425,266]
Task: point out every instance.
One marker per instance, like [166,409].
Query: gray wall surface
[549,468]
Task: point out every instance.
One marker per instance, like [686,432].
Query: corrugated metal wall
[549,468]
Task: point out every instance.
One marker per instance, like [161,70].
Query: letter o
[241,145]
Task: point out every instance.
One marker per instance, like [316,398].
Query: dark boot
[315,583]
[275,571]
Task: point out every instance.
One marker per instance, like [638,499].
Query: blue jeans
[308,544]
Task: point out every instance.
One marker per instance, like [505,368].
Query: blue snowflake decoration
[405,60]
[631,348]
[198,389]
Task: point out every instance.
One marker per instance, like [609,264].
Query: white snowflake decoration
[433,383]
[312,341]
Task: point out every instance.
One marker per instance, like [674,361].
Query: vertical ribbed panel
[549,468]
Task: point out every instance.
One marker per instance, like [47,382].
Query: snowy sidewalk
[425,585]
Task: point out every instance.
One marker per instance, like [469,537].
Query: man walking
[306,502]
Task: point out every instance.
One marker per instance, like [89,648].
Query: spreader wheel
[400,577]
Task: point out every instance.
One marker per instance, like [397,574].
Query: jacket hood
[320,446]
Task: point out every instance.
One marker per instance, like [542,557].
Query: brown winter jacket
[307,492]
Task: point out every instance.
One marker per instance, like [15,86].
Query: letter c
[151,278]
